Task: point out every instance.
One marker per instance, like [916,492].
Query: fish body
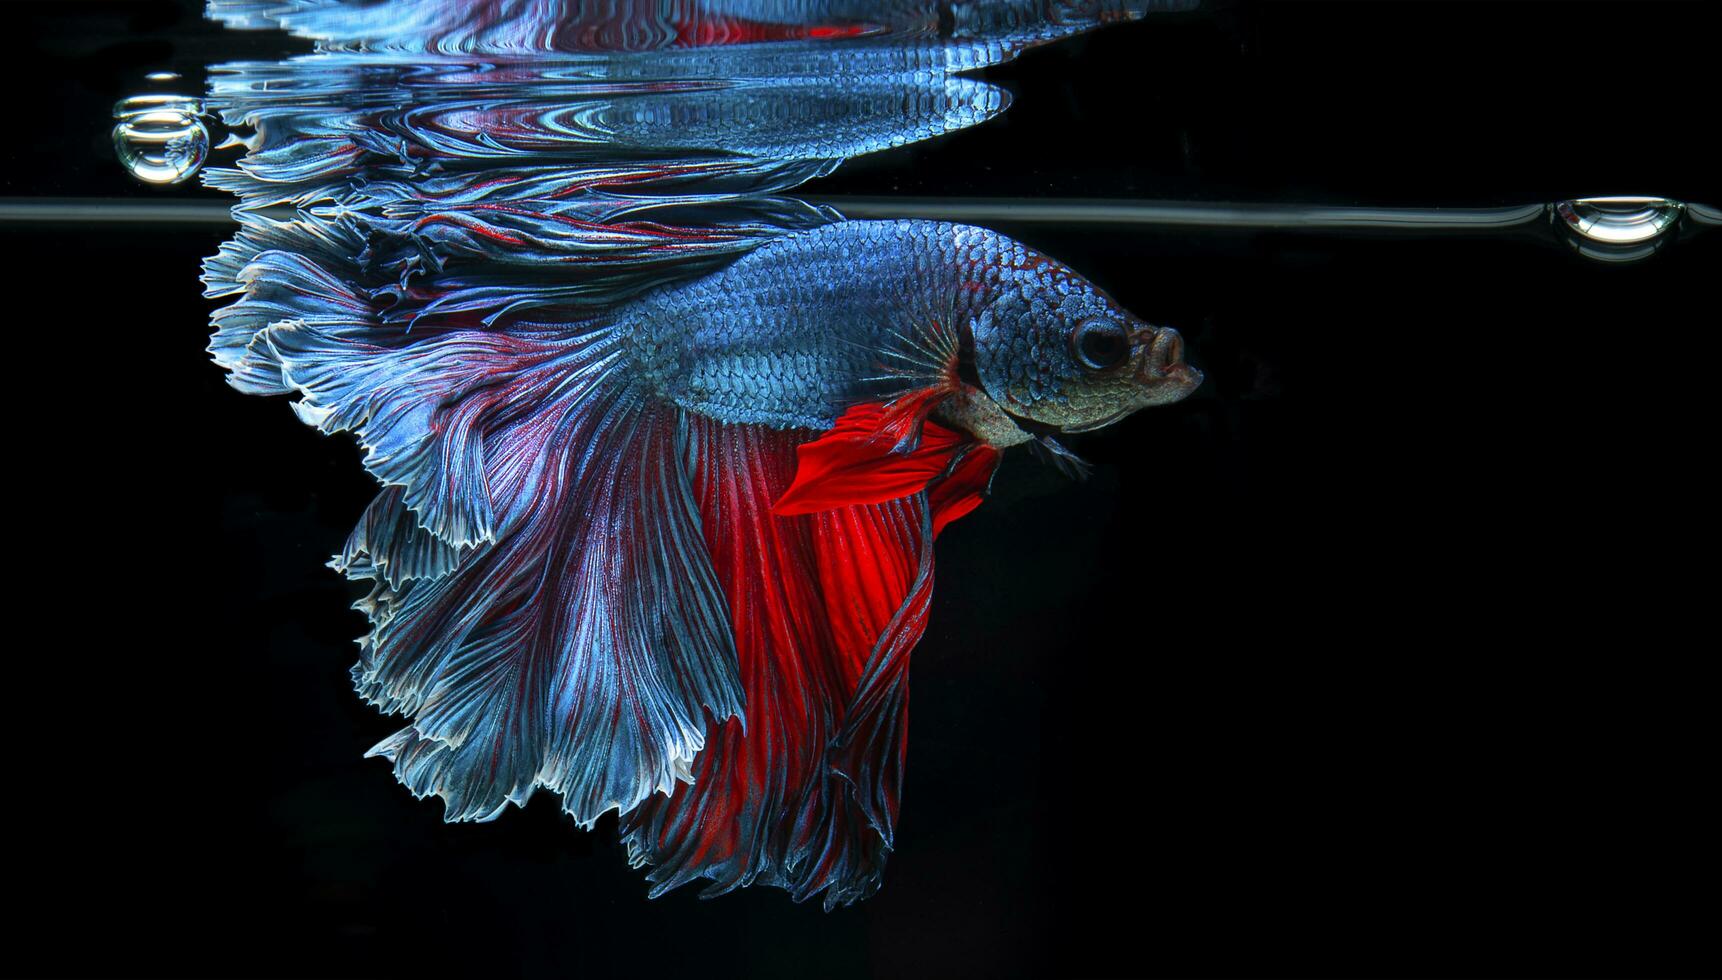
[791,336]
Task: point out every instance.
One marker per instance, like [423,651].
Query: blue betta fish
[671,560]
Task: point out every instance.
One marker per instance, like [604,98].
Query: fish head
[1051,348]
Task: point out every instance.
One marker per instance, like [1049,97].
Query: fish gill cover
[663,450]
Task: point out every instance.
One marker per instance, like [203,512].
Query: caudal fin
[545,612]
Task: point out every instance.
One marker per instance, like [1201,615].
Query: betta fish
[670,559]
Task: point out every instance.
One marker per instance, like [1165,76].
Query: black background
[1393,652]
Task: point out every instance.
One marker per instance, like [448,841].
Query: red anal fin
[825,610]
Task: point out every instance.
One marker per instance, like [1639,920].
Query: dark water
[1390,652]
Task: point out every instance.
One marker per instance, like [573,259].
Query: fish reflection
[664,453]
[535,27]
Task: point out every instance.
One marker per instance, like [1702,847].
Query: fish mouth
[1165,366]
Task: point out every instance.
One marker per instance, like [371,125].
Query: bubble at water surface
[1617,229]
[161,139]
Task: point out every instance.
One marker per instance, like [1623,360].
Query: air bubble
[1617,229]
[161,139]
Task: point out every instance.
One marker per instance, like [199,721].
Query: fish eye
[1101,344]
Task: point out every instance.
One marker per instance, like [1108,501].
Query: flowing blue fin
[389,545]
[544,611]
[581,650]
[266,269]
